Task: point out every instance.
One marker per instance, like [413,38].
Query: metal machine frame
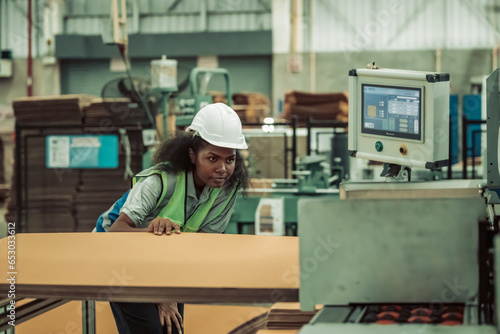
[421,247]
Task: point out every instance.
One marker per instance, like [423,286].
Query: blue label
[82,151]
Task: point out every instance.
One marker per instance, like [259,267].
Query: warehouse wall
[403,24]
[14,28]
[332,68]
[159,16]
[382,25]
[45,80]
[401,34]
[88,76]
[55,17]
[331,72]
[342,34]
[248,73]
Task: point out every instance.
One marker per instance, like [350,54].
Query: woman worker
[191,188]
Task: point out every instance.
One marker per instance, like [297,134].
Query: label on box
[82,151]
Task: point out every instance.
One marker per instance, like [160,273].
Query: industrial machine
[199,78]
[310,176]
[415,257]
[399,118]
[274,211]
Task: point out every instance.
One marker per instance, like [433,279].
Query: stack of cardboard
[70,200]
[251,326]
[64,200]
[4,193]
[251,107]
[328,106]
[48,193]
[218,97]
[114,112]
[2,163]
[51,110]
[3,186]
[263,183]
[100,188]
[6,158]
[288,316]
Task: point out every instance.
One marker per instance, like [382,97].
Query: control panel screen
[392,111]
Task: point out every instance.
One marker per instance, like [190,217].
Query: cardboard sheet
[288,316]
[146,267]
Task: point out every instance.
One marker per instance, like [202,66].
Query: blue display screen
[392,111]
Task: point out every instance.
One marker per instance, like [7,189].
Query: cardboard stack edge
[117,111]
[288,316]
[282,318]
[251,107]
[251,326]
[71,200]
[51,110]
[4,187]
[324,106]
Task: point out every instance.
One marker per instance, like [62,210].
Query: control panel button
[403,150]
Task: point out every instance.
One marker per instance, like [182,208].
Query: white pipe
[438,60]
[47,27]
[494,58]
[312,54]
[1,21]
[203,15]
[52,23]
[297,27]
[135,17]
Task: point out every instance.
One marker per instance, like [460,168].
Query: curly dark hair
[175,151]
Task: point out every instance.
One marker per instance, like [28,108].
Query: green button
[379,146]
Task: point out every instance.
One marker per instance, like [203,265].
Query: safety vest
[176,206]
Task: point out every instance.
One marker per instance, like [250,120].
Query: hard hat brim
[242,146]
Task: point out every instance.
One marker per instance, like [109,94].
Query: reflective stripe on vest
[174,210]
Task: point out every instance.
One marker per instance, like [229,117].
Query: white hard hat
[219,125]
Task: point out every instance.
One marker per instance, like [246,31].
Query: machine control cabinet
[399,117]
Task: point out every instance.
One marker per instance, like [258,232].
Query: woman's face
[214,165]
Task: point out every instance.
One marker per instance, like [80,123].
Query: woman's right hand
[169,314]
[163,225]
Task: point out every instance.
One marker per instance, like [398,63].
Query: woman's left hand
[169,313]
[160,225]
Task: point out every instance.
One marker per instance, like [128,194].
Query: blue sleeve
[109,217]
